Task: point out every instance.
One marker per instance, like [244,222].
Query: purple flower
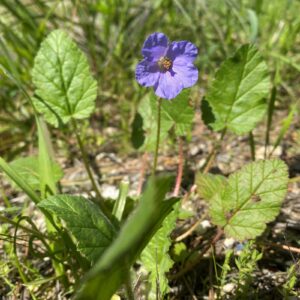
[168,67]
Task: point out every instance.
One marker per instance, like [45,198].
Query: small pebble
[229,242]
[109,191]
[228,288]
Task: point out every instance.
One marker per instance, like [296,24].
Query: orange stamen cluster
[165,63]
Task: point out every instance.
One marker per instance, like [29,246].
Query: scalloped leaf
[251,199]
[155,257]
[65,88]
[237,95]
[91,229]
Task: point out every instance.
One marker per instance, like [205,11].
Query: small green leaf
[91,229]
[65,88]
[177,113]
[155,257]
[251,199]
[112,268]
[180,112]
[208,185]
[237,95]
[148,111]
[28,169]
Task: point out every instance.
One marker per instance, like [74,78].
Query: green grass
[111,32]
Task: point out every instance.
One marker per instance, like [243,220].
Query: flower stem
[212,155]
[88,169]
[157,136]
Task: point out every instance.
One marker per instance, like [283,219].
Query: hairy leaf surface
[251,198]
[237,95]
[89,226]
[65,88]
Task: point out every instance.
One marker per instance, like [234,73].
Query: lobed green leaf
[237,95]
[91,229]
[251,199]
[65,88]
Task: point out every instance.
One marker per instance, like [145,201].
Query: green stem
[252,145]
[157,136]
[88,169]
[212,155]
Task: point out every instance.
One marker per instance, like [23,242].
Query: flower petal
[147,73]
[155,46]
[187,74]
[168,86]
[183,52]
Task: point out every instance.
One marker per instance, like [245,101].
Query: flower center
[165,63]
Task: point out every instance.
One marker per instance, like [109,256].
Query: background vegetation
[111,33]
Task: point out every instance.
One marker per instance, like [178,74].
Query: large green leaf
[155,257]
[177,113]
[251,198]
[113,267]
[91,229]
[29,170]
[237,95]
[65,88]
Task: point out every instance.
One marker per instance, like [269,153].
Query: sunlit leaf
[28,169]
[208,185]
[147,114]
[155,257]
[91,229]
[177,113]
[251,199]
[65,88]
[47,169]
[180,112]
[237,95]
